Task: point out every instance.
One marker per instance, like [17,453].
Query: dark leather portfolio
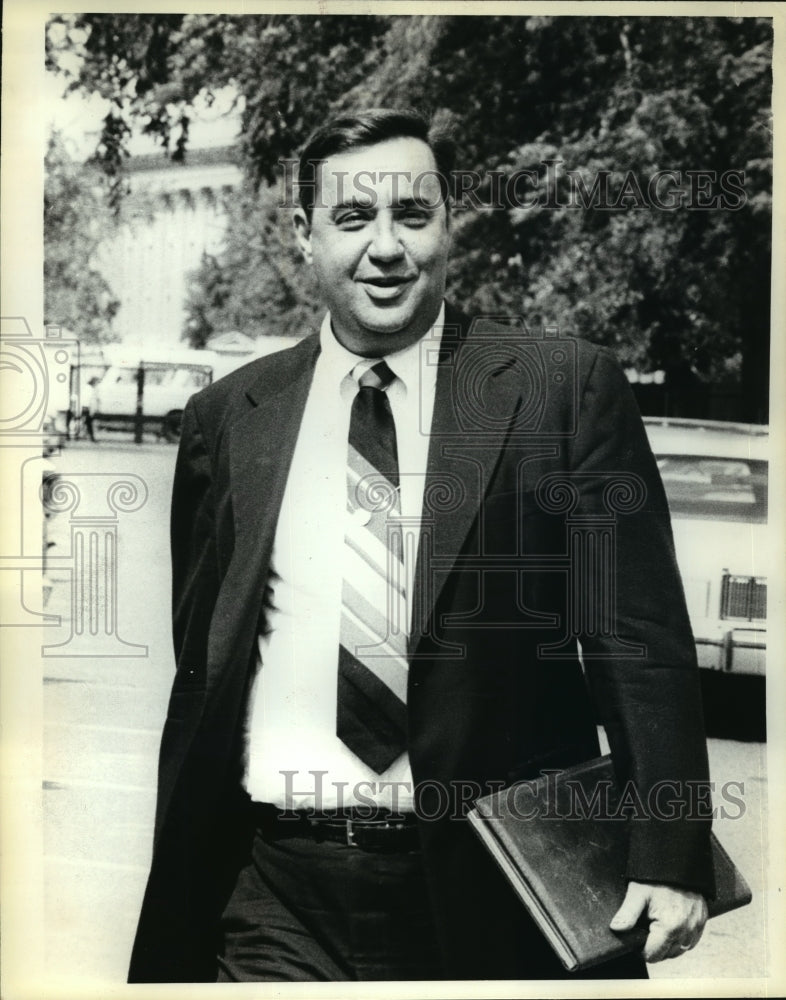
[566,858]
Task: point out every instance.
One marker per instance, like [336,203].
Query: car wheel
[172,424]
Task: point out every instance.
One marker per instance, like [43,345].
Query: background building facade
[172,215]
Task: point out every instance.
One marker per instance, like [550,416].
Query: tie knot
[377,376]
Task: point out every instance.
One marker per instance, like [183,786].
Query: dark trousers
[304,910]
[307,910]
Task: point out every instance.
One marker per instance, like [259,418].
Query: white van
[170,378]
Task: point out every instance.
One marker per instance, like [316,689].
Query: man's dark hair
[367,128]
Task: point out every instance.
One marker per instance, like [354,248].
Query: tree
[76,295]
[259,284]
[668,289]
[685,290]
[286,69]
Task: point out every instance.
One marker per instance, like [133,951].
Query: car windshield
[715,488]
[180,376]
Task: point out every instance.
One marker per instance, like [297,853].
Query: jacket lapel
[475,406]
[261,445]
[263,442]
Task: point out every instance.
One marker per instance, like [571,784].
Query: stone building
[173,213]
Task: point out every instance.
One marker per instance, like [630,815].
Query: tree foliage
[258,285]
[76,295]
[684,289]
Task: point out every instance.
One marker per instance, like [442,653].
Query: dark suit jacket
[528,440]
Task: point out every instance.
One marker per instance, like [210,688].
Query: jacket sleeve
[642,665]
[195,575]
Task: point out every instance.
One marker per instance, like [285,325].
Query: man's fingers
[676,918]
[679,948]
[632,908]
[674,931]
[664,943]
[659,944]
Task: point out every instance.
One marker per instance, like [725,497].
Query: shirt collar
[410,365]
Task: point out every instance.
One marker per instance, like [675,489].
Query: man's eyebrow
[365,204]
[352,203]
[410,201]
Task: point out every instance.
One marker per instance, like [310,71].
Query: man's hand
[677,918]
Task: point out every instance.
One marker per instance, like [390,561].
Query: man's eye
[414,217]
[351,220]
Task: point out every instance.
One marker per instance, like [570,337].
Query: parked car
[715,476]
[171,377]
[169,381]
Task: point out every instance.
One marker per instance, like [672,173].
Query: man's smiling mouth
[387,281]
[385,288]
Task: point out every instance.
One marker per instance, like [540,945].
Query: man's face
[378,242]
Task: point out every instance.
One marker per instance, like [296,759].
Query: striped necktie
[372,670]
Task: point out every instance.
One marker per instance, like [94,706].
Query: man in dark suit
[388,544]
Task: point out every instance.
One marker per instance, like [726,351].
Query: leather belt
[384,831]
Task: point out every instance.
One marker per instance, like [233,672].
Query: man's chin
[386,318]
[387,323]
[399,319]
[374,339]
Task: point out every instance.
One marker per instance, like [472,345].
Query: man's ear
[449,211]
[303,234]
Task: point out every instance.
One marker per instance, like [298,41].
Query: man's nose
[385,244]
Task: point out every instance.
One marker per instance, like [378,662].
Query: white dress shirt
[293,757]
